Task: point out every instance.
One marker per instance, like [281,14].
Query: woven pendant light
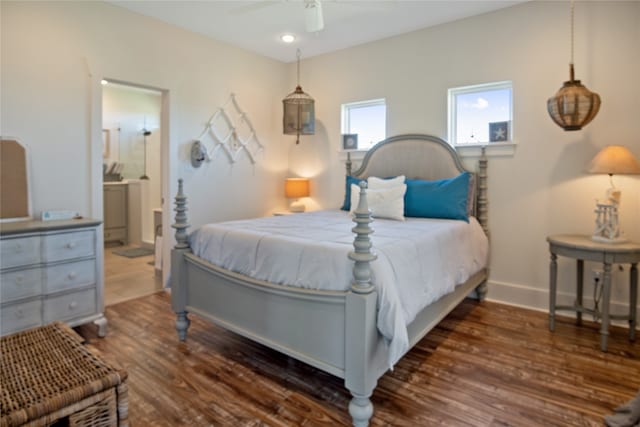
[299,111]
[573,106]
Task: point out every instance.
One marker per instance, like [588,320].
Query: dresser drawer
[69,275]
[58,247]
[16,317]
[20,284]
[69,306]
[17,252]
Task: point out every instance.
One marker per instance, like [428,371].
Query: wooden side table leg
[606,296]
[633,300]
[553,276]
[579,287]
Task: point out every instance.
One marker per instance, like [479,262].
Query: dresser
[49,271]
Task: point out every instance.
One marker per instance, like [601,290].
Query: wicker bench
[48,375]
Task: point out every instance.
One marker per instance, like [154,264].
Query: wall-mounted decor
[106,142]
[231,131]
[350,141]
[499,132]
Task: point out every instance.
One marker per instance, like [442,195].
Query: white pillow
[384,203]
[375,183]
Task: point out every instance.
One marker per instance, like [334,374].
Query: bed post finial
[483,218]
[360,313]
[362,254]
[181,225]
[482,192]
[348,164]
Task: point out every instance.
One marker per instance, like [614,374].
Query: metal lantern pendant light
[574,106]
[299,111]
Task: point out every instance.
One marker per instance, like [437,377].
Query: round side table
[583,248]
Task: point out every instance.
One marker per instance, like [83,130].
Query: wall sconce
[295,188]
[299,111]
[613,159]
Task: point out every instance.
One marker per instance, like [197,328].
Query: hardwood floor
[486,364]
[127,278]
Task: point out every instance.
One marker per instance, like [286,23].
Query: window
[481,114]
[367,120]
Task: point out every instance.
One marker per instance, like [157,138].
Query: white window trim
[345,122]
[493,148]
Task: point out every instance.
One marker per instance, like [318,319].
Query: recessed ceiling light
[104,82]
[288,38]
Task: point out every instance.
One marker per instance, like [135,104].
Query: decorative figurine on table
[607,223]
[612,159]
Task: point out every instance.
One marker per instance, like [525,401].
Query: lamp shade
[615,159]
[296,187]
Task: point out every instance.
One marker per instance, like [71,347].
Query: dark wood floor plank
[485,365]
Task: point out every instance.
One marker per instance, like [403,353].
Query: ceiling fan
[313,16]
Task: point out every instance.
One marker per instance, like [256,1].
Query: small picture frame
[349,141]
[499,132]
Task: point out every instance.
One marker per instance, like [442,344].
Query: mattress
[419,259]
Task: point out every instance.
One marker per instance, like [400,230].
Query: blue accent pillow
[346,205]
[445,198]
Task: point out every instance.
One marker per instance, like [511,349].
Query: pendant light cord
[572,5]
[298,54]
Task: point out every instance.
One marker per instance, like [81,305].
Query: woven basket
[47,374]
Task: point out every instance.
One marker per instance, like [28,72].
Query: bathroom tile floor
[128,278]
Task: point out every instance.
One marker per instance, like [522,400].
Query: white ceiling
[258,25]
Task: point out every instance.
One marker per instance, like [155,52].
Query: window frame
[452,121]
[345,118]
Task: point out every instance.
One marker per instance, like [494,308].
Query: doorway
[132,159]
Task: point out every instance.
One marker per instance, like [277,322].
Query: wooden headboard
[427,157]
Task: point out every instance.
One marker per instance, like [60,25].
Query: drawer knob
[72,275]
[19,313]
[73,305]
[70,245]
[18,247]
[19,279]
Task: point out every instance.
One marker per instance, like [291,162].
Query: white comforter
[419,260]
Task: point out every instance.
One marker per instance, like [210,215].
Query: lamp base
[297,207]
[602,239]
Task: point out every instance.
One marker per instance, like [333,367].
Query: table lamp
[613,159]
[295,188]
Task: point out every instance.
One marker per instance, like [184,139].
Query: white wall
[54,55]
[543,188]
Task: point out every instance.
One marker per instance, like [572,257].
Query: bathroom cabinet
[116,212]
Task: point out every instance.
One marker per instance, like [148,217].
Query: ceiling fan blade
[313,17]
[253,7]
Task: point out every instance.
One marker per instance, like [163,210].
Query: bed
[337,329]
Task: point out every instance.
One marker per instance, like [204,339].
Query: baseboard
[538,299]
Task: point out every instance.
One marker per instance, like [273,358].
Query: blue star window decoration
[499,132]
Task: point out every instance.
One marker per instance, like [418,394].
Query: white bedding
[419,260]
